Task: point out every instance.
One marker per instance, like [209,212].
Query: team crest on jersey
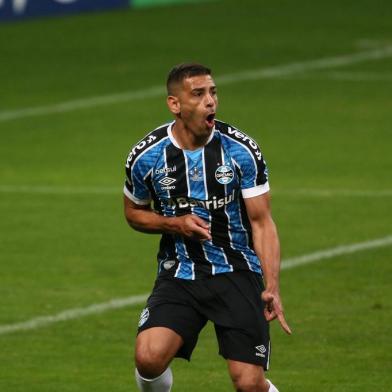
[144,316]
[224,174]
[196,174]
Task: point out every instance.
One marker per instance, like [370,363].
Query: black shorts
[232,301]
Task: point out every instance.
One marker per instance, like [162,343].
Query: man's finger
[269,314]
[200,232]
[200,222]
[284,324]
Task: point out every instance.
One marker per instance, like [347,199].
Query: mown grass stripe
[118,303]
[156,91]
[94,190]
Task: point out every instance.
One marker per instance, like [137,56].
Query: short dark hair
[182,71]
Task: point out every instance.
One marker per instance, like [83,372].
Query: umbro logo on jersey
[167,183]
[260,351]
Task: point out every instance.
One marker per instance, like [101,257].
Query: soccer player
[203,185]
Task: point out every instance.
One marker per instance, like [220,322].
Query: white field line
[310,65]
[75,190]
[76,313]
[82,103]
[367,43]
[334,192]
[337,251]
[156,91]
[61,190]
[72,314]
[344,76]
[360,76]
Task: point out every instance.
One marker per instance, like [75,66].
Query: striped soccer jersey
[210,182]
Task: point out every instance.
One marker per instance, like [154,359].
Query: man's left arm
[267,248]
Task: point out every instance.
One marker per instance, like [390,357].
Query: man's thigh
[169,308]
[250,345]
[241,328]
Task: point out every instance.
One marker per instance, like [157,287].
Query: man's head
[184,71]
[192,97]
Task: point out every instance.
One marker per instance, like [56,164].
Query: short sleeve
[135,187]
[254,172]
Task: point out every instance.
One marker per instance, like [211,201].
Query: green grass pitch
[326,135]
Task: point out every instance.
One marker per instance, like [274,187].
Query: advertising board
[21,9]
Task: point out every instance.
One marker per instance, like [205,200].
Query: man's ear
[173,104]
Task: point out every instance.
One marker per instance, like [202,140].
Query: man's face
[197,104]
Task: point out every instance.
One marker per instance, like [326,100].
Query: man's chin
[203,130]
[207,130]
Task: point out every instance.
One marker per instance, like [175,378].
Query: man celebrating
[210,193]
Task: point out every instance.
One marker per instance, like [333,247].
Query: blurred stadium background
[311,81]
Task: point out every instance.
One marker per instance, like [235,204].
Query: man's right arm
[143,218]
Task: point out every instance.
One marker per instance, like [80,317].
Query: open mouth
[210,120]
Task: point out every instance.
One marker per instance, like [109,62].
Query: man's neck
[186,138]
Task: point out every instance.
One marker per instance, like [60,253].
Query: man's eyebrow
[201,89]
[198,89]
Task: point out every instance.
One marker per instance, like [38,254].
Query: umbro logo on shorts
[260,351]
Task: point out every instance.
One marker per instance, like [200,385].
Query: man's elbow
[134,225]
[137,220]
[129,215]
[130,223]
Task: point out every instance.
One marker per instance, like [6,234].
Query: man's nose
[210,100]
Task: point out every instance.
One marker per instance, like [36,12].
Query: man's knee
[150,361]
[250,383]
[153,353]
[247,377]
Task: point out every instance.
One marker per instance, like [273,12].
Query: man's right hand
[193,227]
[144,219]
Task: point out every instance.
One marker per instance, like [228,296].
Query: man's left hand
[273,309]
